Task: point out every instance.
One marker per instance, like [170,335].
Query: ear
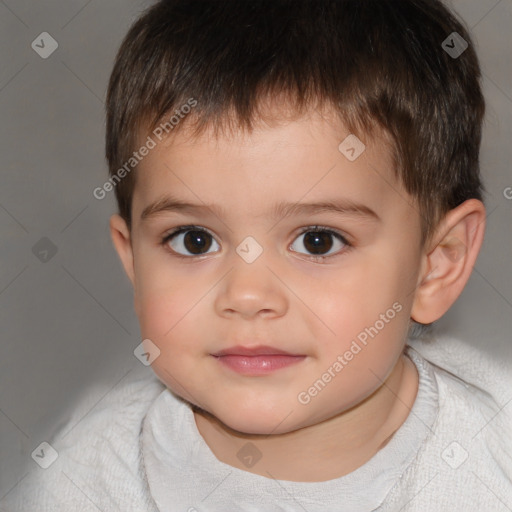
[121,238]
[448,261]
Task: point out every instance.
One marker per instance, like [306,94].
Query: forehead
[303,159]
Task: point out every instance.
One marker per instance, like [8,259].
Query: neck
[334,447]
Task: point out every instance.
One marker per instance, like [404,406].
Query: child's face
[210,297]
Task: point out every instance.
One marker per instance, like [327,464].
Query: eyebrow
[280,210]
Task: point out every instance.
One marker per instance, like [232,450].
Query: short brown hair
[377,63]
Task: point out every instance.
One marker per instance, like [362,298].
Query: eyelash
[315,229]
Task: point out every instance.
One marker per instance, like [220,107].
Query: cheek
[158,314]
[369,304]
[165,316]
[159,291]
[164,302]
[171,322]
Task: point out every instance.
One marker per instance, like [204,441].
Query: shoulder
[469,377]
[475,391]
[466,461]
[98,452]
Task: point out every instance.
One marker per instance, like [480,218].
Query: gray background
[67,323]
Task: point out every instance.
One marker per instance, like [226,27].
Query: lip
[256,361]
[259,350]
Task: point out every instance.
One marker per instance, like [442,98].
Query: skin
[194,306]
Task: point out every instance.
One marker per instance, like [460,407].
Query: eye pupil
[197,238]
[316,239]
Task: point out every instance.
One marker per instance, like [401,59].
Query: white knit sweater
[139,450]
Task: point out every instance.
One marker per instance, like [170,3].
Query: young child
[242,137]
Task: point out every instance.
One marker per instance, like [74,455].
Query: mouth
[259,350]
[254,361]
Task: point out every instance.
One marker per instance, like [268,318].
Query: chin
[255,422]
[249,426]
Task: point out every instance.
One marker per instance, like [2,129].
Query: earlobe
[449,263]
[121,239]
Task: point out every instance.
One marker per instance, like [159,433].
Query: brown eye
[195,242]
[318,242]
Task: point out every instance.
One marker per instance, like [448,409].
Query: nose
[251,289]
